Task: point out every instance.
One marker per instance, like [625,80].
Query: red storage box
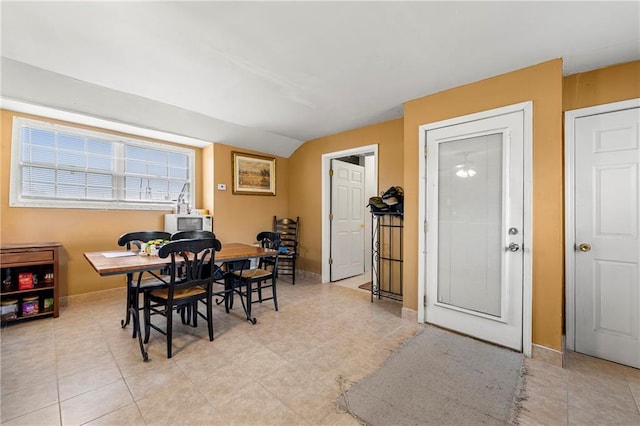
[25,281]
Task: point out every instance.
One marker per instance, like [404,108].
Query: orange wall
[541,84]
[605,85]
[305,179]
[79,230]
[239,218]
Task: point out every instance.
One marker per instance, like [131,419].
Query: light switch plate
[222,187]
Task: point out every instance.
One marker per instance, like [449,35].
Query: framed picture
[253,174]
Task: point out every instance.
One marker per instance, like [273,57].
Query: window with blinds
[61,166]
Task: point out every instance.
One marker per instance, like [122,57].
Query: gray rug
[440,378]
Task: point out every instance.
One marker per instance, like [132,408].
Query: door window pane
[470,223]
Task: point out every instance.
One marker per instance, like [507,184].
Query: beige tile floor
[587,391]
[82,368]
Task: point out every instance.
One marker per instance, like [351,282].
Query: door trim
[326,197]
[570,118]
[527,290]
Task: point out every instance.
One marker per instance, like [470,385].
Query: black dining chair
[218,273]
[246,281]
[140,283]
[183,289]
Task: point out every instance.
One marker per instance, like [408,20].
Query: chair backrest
[288,229]
[138,237]
[191,257]
[268,239]
[190,235]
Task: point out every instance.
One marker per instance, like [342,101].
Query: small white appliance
[187,222]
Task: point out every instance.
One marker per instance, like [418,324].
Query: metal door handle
[513,247]
[584,247]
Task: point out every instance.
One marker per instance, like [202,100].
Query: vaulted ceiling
[270,75]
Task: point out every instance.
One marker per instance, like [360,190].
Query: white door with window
[475,235]
[606,249]
[347,224]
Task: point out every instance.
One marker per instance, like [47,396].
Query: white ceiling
[271,75]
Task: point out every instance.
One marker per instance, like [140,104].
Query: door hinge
[330,172]
[331,217]
[425,152]
[424,300]
[426,226]
[330,261]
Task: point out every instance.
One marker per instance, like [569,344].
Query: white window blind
[61,166]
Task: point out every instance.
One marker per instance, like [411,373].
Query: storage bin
[47,305]
[8,309]
[30,306]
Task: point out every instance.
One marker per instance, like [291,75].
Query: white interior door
[474,237]
[607,252]
[347,224]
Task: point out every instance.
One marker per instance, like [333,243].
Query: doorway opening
[368,157]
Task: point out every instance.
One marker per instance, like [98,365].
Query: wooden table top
[114,262]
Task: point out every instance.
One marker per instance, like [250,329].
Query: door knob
[513,247]
[584,247]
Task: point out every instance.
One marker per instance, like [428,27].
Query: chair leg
[194,307]
[275,295]
[185,314]
[210,317]
[169,311]
[147,319]
[293,273]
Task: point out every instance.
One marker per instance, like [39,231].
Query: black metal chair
[135,285]
[244,281]
[288,229]
[184,289]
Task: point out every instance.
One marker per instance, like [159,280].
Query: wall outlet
[222,187]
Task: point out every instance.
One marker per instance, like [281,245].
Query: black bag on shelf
[394,198]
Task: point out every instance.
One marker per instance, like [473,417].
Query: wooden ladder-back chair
[288,229]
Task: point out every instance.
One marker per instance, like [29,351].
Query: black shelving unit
[386,255]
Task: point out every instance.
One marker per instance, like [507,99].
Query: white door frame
[527,292]
[326,197]
[570,118]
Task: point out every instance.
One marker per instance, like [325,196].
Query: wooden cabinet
[29,281]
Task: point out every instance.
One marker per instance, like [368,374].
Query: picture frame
[253,174]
